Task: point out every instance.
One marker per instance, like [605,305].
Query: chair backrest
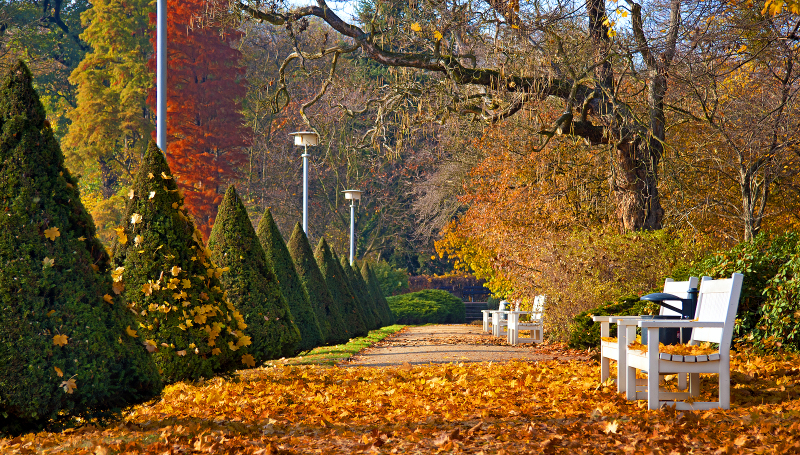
[537,309]
[718,301]
[679,289]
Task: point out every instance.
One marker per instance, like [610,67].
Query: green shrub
[370,312]
[585,333]
[172,285]
[250,283]
[765,263]
[280,261]
[427,306]
[342,295]
[328,313]
[64,350]
[391,281]
[387,318]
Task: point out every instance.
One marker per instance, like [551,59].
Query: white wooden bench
[626,332]
[535,325]
[717,303]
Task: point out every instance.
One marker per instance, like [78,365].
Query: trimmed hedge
[427,306]
[64,350]
[387,317]
[340,290]
[250,283]
[171,283]
[328,313]
[369,311]
[585,333]
[296,296]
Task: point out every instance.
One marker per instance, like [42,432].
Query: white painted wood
[717,303]
[535,325]
[626,330]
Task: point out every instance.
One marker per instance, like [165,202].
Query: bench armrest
[678,323]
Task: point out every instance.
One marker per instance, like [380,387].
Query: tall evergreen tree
[368,311]
[110,124]
[380,301]
[250,283]
[170,281]
[340,290]
[296,296]
[316,286]
[64,349]
[206,131]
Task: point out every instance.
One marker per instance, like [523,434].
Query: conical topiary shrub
[340,290]
[171,284]
[369,312]
[380,301]
[250,283]
[280,261]
[64,350]
[328,313]
[380,317]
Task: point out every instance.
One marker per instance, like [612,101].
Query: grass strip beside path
[331,355]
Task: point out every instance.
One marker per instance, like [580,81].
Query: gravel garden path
[454,343]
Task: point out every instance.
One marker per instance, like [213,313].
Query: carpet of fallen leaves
[550,407]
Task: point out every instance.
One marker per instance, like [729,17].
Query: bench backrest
[718,301]
[537,309]
[679,289]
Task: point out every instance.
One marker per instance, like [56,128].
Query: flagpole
[161,75]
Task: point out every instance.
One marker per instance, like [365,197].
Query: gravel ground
[454,343]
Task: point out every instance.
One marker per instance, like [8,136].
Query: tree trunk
[108,178]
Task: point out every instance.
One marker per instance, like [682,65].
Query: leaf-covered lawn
[553,406]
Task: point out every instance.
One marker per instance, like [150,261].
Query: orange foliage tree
[205,127]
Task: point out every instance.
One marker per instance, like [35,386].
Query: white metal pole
[352,230]
[161,75]
[305,190]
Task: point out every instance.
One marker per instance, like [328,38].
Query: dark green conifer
[250,283]
[172,284]
[64,350]
[328,313]
[369,312]
[280,261]
[340,289]
[380,300]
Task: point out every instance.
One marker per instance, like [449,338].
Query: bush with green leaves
[427,306]
[391,280]
[280,261]
[779,324]
[250,284]
[386,315]
[370,311]
[585,333]
[329,314]
[766,265]
[64,349]
[340,290]
[171,283]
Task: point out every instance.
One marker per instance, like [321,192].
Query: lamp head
[352,194]
[305,138]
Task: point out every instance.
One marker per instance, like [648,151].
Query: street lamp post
[305,138]
[161,75]
[353,196]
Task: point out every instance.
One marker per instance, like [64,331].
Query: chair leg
[725,388]
[682,381]
[605,368]
[630,381]
[694,384]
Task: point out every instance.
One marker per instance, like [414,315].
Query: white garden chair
[717,303]
[535,325]
[626,332]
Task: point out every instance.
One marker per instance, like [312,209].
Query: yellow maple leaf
[48,262]
[60,340]
[117,273]
[108,299]
[175,270]
[150,345]
[69,385]
[59,372]
[165,176]
[117,287]
[147,289]
[136,218]
[248,360]
[181,353]
[232,346]
[52,233]
[611,427]
[243,341]
[137,240]
[186,283]
[438,35]
[175,205]
[150,175]
[82,238]
[50,313]
[416,27]
[131,332]
[216,351]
